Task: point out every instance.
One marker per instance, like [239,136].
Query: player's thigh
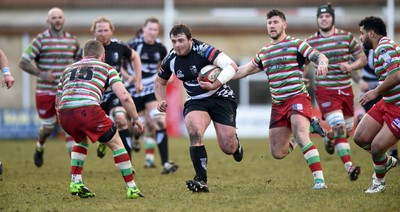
[383,141]
[196,122]
[279,138]
[301,129]
[155,118]
[226,136]
[366,130]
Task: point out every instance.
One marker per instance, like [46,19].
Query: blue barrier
[18,123]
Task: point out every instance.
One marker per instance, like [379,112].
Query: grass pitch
[258,183]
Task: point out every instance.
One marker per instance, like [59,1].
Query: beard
[277,35]
[326,29]
[367,43]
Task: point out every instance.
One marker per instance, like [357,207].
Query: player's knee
[158,119]
[337,122]
[278,154]
[120,118]
[229,146]
[47,126]
[349,122]
[107,136]
[195,138]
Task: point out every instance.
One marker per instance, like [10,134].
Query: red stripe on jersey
[210,57]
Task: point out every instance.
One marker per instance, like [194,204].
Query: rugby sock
[343,150]
[123,163]
[198,154]
[393,152]
[126,140]
[42,138]
[292,144]
[137,137]
[380,167]
[311,155]
[70,143]
[162,142]
[78,155]
[149,149]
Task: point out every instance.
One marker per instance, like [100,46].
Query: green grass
[258,183]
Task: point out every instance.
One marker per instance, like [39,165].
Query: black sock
[126,140]
[162,142]
[198,154]
[393,153]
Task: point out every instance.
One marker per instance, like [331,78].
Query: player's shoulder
[135,41]
[44,34]
[342,32]
[200,46]
[313,36]
[116,41]
[159,42]
[170,56]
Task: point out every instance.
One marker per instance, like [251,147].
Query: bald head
[55,19]
[55,11]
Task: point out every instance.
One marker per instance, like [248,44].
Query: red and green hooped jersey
[387,61]
[51,53]
[280,62]
[83,83]
[339,48]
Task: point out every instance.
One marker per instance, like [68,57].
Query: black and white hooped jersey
[187,68]
[151,56]
[116,53]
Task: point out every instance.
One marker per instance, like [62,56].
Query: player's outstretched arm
[127,102]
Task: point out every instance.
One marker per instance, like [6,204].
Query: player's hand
[364,86]
[138,87]
[208,85]
[322,69]
[162,106]
[346,68]
[367,97]
[138,126]
[47,75]
[8,81]
[131,79]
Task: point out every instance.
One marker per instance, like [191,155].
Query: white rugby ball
[209,73]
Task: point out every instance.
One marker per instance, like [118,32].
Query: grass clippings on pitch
[258,183]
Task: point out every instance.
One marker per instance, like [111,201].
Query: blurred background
[236,27]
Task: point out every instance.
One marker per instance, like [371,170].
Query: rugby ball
[209,73]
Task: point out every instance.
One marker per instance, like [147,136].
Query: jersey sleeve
[389,58]
[127,51]
[165,69]
[305,50]
[205,50]
[33,50]
[257,60]
[355,47]
[113,77]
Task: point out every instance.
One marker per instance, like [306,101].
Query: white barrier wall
[251,122]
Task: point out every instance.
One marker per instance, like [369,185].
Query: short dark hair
[181,29]
[151,20]
[375,24]
[276,12]
[93,48]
